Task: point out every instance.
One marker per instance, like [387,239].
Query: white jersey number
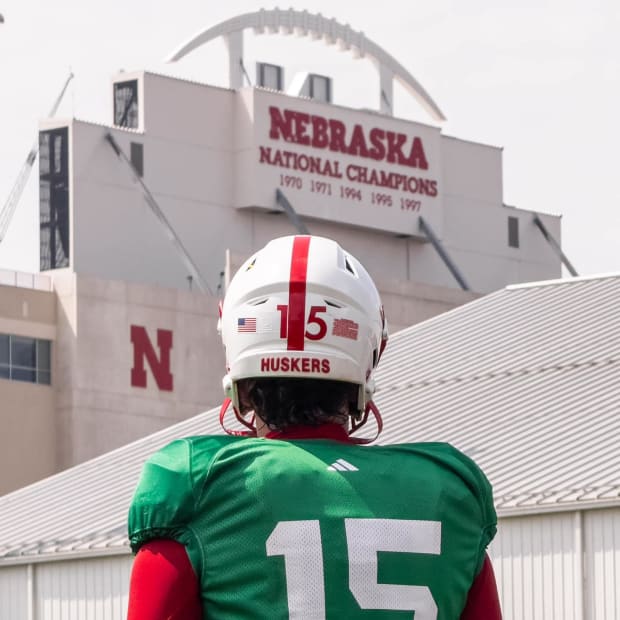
[300,544]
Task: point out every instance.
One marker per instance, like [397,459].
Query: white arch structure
[317,27]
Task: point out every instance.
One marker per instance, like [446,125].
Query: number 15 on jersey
[301,545]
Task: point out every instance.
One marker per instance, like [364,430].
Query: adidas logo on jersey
[342,465]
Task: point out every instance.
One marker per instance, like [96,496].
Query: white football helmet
[303,307]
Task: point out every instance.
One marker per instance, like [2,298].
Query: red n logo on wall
[160,365]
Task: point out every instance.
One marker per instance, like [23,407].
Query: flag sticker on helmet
[247,324]
[345,328]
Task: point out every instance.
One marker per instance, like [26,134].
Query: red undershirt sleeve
[483,599]
[163,584]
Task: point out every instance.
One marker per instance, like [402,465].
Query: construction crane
[7,211]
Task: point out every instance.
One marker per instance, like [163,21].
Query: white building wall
[82,589]
[85,589]
[14,593]
[602,540]
[474,210]
[538,567]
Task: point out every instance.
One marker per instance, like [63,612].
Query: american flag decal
[246,324]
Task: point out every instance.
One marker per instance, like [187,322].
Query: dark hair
[284,402]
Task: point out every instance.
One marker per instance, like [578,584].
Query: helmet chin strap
[249,425]
[355,426]
[370,408]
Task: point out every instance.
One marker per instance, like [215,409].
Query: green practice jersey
[317,529]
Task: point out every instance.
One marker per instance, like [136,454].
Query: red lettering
[373,179]
[417,158]
[298,364]
[377,136]
[358,142]
[315,165]
[323,133]
[385,179]
[265,155]
[303,120]
[320,139]
[302,163]
[277,160]
[143,349]
[290,159]
[281,126]
[352,172]
[395,146]
[337,131]
[423,184]
[432,188]
[335,172]
[412,185]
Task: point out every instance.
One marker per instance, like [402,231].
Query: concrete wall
[29,434]
[98,407]
[27,312]
[27,410]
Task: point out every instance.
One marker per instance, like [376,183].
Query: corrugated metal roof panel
[526,381]
[84,508]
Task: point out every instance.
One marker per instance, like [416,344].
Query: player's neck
[330,430]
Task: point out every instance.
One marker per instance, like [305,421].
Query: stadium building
[143,221]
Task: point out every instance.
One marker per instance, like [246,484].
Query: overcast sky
[540,78]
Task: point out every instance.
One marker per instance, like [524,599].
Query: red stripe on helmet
[297,294]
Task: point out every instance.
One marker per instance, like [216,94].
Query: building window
[136,155]
[269,76]
[5,357]
[54,198]
[25,359]
[513,231]
[126,104]
[319,88]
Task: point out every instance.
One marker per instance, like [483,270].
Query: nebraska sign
[341,165]
[158,361]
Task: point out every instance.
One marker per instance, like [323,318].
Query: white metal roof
[526,381]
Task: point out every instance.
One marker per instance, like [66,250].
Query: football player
[298,520]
